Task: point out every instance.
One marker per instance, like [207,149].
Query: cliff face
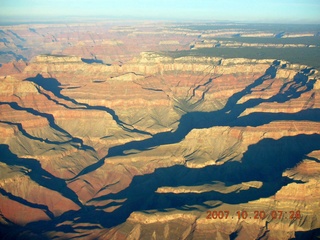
[145,149]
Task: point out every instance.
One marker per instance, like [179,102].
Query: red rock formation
[126,141]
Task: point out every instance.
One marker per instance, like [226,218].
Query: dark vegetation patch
[254,27]
[271,40]
[304,55]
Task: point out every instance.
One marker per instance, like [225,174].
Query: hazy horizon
[272,11]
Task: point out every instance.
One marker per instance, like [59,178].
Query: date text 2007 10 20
[256,214]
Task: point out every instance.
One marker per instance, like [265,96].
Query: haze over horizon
[272,11]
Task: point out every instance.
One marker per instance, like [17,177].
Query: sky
[275,11]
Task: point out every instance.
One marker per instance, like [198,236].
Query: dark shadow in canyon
[227,116]
[17,232]
[47,116]
[91,61]
[54,86]
[312,235]
[33,169]
[265,161]
[76,142]
[42,207]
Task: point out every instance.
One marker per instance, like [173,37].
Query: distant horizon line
[17,20]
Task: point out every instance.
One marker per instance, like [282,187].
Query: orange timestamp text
[243,214]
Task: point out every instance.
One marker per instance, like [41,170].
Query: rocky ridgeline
[152,63]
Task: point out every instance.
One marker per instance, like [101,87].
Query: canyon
[105,138]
